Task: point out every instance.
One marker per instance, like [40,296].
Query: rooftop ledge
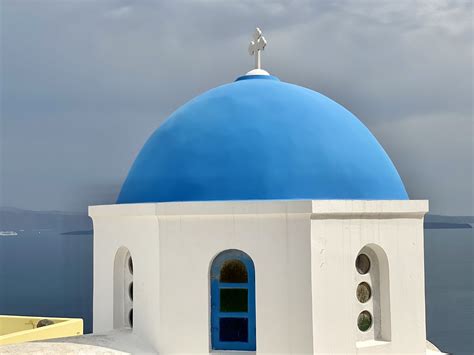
[316,208]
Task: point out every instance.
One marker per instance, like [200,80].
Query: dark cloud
[86,82]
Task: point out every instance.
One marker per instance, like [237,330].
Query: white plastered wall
[303,251]
[339,230]
[136,229]
[278,242]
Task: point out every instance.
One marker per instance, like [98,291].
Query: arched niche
[123,289]
[373,293]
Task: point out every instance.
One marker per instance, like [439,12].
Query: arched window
[233,302]
[123,289]
[373,294]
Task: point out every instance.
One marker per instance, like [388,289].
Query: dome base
[257,72]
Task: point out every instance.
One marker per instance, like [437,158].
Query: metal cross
[256,46]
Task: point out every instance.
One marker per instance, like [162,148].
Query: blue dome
[259,138]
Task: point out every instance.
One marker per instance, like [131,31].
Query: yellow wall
[18,329]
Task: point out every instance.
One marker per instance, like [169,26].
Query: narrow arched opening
[372,294]
[123,289]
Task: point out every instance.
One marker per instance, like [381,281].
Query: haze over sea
[47,269]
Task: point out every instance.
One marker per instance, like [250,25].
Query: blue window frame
[233,302]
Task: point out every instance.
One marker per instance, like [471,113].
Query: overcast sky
[84,83]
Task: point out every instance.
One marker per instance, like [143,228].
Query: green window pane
[362,264]
[364,321]
[234,300]
[363,292]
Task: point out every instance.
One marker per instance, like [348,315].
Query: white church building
[262,217]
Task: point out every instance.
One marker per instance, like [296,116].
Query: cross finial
[256,46]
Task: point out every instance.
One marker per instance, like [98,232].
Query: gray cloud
[86,82]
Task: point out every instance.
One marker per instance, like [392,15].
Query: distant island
[433,221]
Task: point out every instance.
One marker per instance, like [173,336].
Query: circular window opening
[362,264]
[44,323]
[130,265]
[363,292]
[130,318]
[364,321]
[130,291]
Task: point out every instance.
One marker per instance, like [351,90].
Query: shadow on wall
[123,289]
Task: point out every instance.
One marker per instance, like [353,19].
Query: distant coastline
[31,223]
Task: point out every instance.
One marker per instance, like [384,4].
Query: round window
[130,291]
[130,265]
[130,318]
[364,321]
[362,264]
[363,292]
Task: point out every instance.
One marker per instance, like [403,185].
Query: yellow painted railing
[18,329]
